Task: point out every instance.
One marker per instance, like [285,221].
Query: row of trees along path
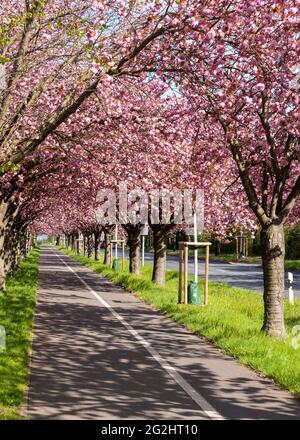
[156,93]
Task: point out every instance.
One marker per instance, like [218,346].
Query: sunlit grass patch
[16,314]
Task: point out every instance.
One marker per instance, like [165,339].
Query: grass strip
[17,306]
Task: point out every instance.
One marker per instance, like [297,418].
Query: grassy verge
[292,264]
[16,315]
[232,321]
[224,258]
[227,258]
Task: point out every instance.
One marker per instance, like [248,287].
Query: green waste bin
[115,264]
[194,293]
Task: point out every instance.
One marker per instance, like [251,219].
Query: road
[101,353]
[248,276]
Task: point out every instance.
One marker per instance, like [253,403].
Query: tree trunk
[23,243]
[8,236]
[177,240]
[217,248]
[159,263]
[273,252]
[3,227]
[134,243]
[12,247]
[107,254]
[97,244]
[73,243]
[78,244]
[90,245]
[84,238]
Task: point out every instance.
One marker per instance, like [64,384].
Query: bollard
[290,286]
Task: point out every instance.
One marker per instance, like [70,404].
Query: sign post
[290,285]
[116,245]
[144,232]
[196,250]
[143,250]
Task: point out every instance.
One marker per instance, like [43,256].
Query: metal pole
[196,250]
[123,256]
[186,269]
[181,254]
[290,285]
[143,250]
[206,275]
[116,245]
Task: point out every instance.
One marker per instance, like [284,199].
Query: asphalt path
[101,353]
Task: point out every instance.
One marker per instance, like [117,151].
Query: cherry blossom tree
[152,151]
[54,55]
[243,76]
[231,127]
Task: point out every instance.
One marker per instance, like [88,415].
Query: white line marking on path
[197,398]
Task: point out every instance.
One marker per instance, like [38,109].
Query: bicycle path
[100,353]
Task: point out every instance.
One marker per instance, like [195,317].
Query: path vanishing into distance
[101,353]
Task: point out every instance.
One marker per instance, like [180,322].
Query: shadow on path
[86,365]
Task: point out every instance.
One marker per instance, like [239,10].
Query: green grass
[232,321]
[16,315]
[223,258]
[226,258]
[292,264]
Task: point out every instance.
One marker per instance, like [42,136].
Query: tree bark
[77,244]
[12,245]
[273,252]
[107,254]
[134,254]
[8,236]
[97,243]
[73,242]
[89,245]
[3,225]
[97,234]
[178,234]
[217,248]
[134,243]
[159,262]
[23,243]
[84,245]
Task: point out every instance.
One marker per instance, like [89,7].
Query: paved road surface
[248,276]
[100,353]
